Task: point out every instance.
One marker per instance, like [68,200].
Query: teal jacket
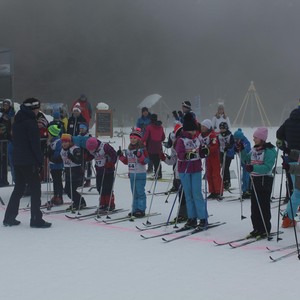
[262,158]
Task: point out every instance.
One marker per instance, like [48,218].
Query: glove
[175,115]
[239,147]
[119,152]
[227,146]
[279,143]
[203,152]
[70,155]
[162,156]
[285,164]
[137,153]
[190,155]
[249,168]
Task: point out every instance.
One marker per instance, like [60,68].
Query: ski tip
[271,258]
[143,236]
[165,240]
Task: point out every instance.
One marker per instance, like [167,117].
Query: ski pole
[113,184]
[154,188]
[180,192]
[100,193]
[133,190]
[294,224]
[279,206]
[274,174]
[238,170]
[81,192]
[222,173]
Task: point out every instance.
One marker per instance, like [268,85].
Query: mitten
[249,168]
[119,152]
[203,152]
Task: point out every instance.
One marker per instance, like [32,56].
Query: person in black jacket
[288,139]
[28,159]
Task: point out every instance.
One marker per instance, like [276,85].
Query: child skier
[172,160]
[241,142]
[209,138]
[105,158]
[72,159]
[87,165]
[55,163]
[136,157]
[226,142]
[259,163]
[189,153]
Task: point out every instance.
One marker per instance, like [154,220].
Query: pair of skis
[190,231]
[126,218]
[65,210]
[245,241]
[294,252]
[97,214]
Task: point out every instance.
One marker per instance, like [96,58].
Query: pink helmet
[92,144]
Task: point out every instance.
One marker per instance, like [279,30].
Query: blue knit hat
[239,135]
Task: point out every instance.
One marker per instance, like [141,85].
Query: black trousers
[226,171]
[263,188]
[25,175]
[155,160]
[57,182]
[3,163]
[108,181]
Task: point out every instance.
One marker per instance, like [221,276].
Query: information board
[104,123]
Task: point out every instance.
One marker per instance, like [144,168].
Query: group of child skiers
[192,145]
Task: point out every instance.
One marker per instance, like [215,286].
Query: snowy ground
[90,260]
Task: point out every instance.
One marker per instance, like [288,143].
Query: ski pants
[263,188]
[137,184]
[192,187]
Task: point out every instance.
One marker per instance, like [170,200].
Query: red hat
[177,128]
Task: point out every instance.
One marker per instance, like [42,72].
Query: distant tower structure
[250,105]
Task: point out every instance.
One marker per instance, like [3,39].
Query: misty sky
[120,51]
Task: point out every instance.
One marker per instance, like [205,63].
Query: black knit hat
[32,103]
[187,104]
[153,118]
[189,122]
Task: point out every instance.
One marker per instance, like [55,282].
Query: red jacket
[153,138]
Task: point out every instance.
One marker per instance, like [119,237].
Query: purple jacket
[185,144]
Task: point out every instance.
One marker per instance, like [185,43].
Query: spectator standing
[153,138]
[220,117]
[85,107]
[74,121]
[7,114]
[144,120]
[28,159]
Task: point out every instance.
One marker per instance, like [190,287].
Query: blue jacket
[143,122]
[26,139]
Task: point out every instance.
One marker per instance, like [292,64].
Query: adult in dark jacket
[153,137]
[28,159]
[288,137]
[288,132]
